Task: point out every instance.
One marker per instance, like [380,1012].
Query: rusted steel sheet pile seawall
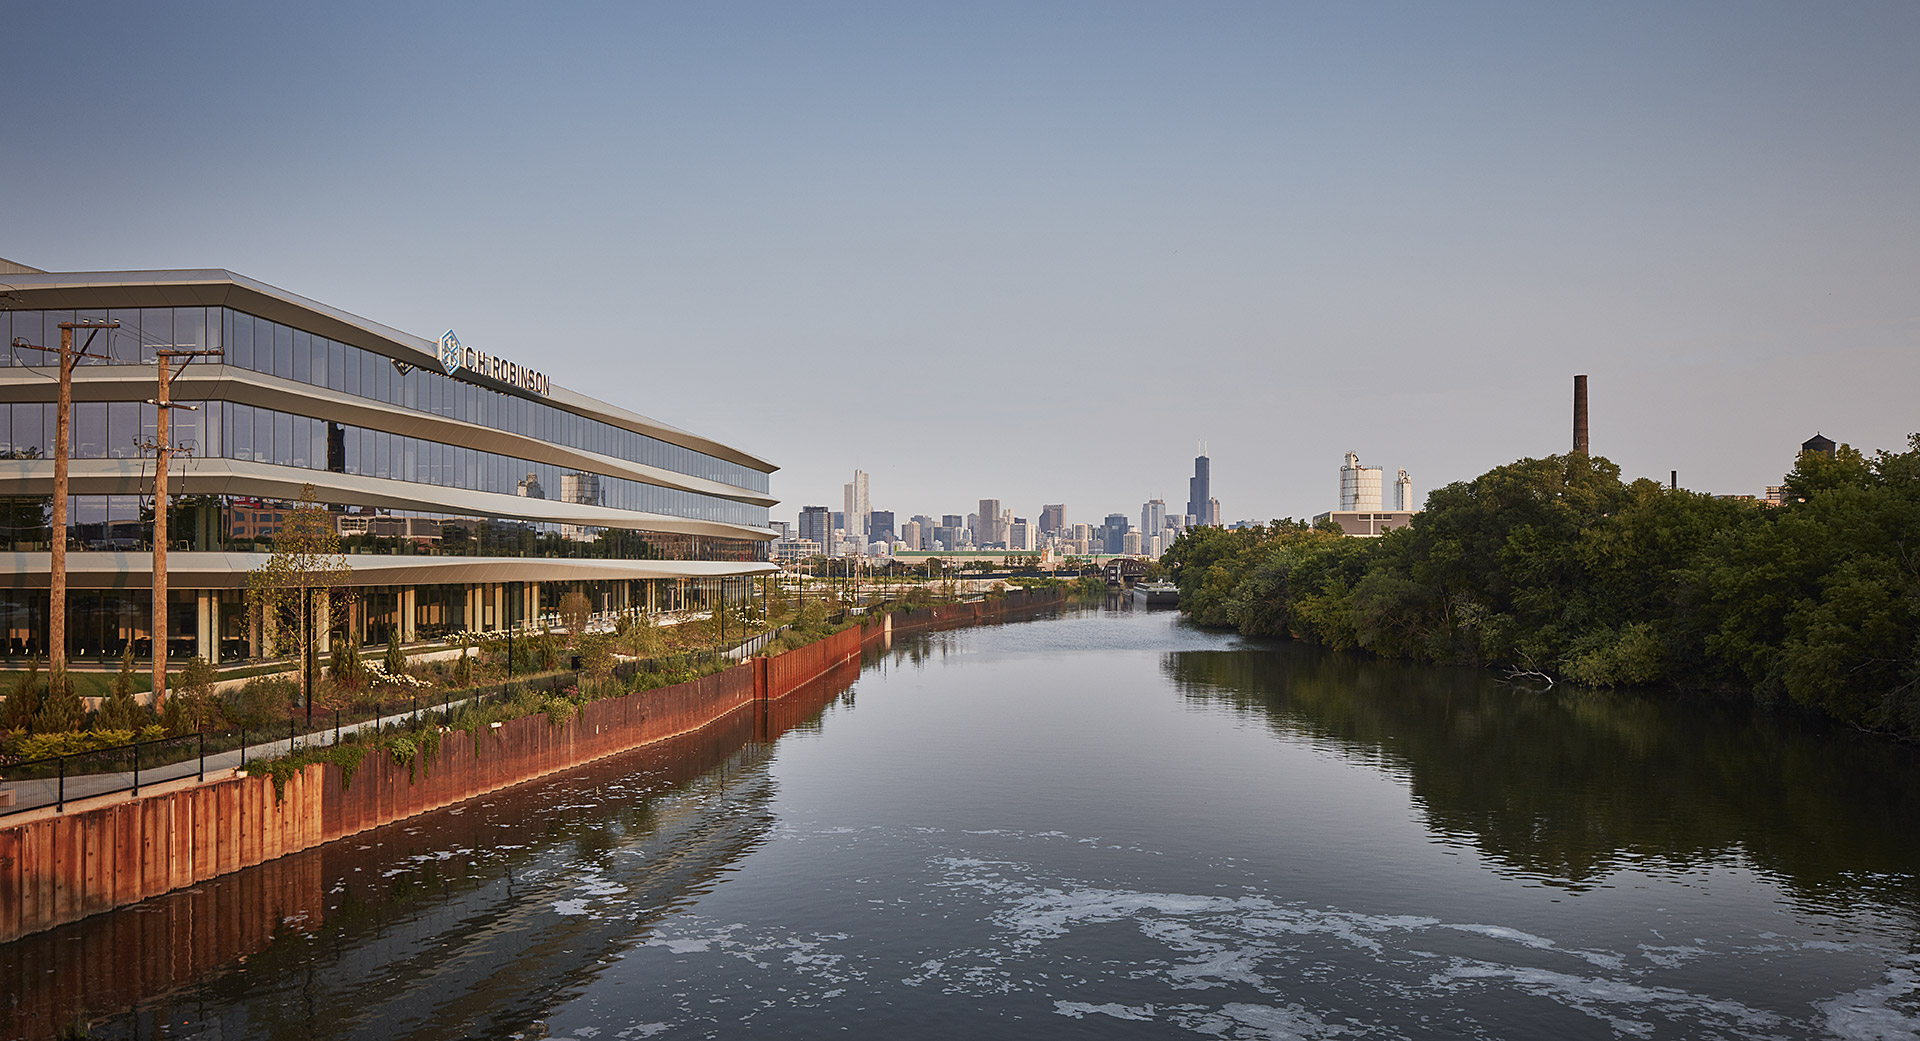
[952,616]
[61,868]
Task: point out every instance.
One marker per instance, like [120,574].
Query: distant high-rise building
[1116,533]
[910,534]
[857,509]
[1200,487]
[1213,513]
[530,487]
[1019,535]
[1153,517]
[1403,493]
[880,525]
[816,525]
[952,520]
[781,529]
[1053,519]
[986,531]
[1130,542]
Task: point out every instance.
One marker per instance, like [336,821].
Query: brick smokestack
[1580,415]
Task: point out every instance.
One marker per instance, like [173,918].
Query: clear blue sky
[1034,252]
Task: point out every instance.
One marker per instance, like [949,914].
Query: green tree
[23,699]
[60,709]
[305,571]
[396,659]
[193,694]
[118,710]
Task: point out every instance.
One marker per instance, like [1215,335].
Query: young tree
[305,569]
[194,692]
[396,662]
[575,609]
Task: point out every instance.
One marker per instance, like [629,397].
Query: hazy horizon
[1036,253]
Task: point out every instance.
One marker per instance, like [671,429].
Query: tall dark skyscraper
[816,523]
[1200,489]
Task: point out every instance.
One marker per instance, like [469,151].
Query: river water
[1110,824]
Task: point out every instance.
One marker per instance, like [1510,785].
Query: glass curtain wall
[295,354]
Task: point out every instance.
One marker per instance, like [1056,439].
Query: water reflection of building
[437,461]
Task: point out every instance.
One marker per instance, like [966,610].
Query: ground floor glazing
[217,625]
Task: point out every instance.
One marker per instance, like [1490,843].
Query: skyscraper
[1200,488]
[1153,517]
[986,531]
[816,524]
[1053,519]
[857,509]
[1116,532]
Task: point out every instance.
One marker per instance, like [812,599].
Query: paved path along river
[1112,825]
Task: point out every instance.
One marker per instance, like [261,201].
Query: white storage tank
[1360,486]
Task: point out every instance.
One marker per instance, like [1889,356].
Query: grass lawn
[85,684]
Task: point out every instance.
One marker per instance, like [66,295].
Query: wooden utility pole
[163,455]
[62,439]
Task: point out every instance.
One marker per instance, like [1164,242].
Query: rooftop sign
[454,357]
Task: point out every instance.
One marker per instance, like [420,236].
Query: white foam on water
[1081,1010]
[570,907]
[1870,1013]
[1278,969]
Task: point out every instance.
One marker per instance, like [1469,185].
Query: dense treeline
[1555,566]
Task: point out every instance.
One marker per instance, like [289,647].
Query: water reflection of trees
[1572,786]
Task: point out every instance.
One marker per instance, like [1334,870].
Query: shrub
[259,702]
[345,668]
[23,700]
[59,709]
[575,609]
[118,711]
[124,681]
[192,699]
[396,660]
[596,651]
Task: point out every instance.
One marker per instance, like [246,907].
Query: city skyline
[1059,245]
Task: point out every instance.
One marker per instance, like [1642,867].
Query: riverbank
[95,858]
[1556,569]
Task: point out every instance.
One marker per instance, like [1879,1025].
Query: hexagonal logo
[450,353]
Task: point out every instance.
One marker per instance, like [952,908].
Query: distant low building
[1367,523]
[1361,512]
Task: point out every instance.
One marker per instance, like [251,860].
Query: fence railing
[56,780]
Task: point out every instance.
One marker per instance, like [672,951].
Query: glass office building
[469,491]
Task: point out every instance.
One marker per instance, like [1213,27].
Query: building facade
[469,490]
